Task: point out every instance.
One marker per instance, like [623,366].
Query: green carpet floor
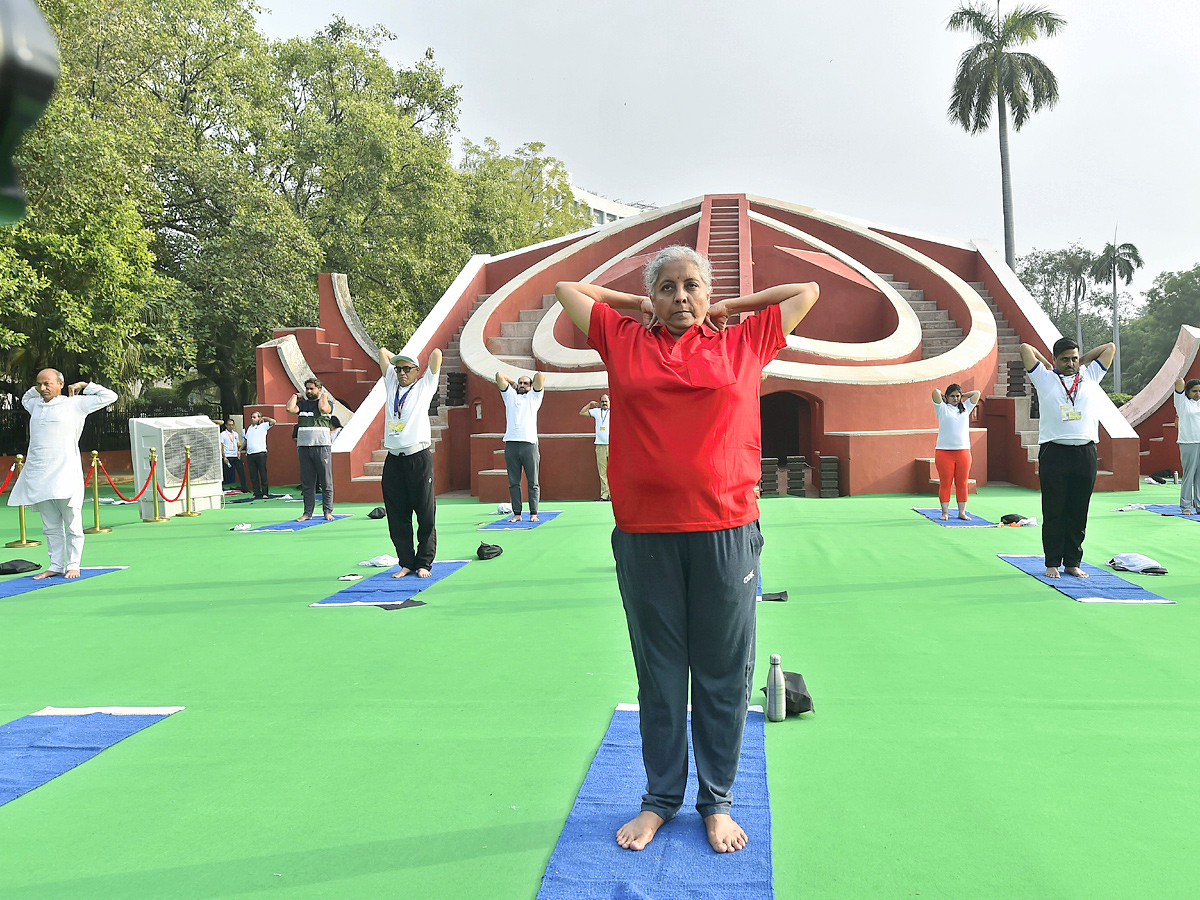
[977,734]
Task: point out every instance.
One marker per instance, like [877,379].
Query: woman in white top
[1187,406]
[953,453]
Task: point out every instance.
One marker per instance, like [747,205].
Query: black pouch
[16,566]
[489,551]
[377,513]
[1011,519]
[797,698]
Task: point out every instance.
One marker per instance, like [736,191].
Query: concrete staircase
[938,331]
[723,249]
[338,373]
[514,345]
[1007,343]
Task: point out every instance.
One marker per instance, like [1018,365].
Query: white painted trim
[472,348]
[111,710]
[1162,386]
[633,707]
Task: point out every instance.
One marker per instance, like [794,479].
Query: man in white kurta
[52,480]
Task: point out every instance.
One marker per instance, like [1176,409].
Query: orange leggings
[952,465]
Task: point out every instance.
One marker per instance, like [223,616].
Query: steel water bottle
[776,692]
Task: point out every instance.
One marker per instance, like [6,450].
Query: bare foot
[328,517]
[516,518]
[304,518]
[945,517]
[724,834]
[403,571]
[637,833]
[962,514]
[72,573]
[1070,570]
[533,517]
[1051,572]
[423,572]
[49,574]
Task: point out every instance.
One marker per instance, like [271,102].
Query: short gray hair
[675,253]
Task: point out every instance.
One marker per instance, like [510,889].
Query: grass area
[977,734]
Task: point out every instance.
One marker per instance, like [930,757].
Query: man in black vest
[312,446]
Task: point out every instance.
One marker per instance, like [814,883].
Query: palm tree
[1116,261]
[991,75]
[1077,266]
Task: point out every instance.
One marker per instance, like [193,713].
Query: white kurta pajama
[52,479]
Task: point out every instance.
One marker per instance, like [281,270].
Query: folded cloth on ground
[1136,562]
[1130,506]
[382,561]
[1018,519]
[504,509]
[349,577]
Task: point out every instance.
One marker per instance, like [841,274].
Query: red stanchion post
[23,542]
[95,480]
[153,465]
[188,510]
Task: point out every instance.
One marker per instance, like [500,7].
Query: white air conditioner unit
[170,436]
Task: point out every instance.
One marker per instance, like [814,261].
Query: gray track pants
[520,455]
[689,603]
[1189,491]
[316,467]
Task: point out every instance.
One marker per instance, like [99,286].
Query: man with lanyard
[231,447]
[599,411]
[408,469]
[521,405]
[52,480]
[1069,393]
[256,454]
[312,446]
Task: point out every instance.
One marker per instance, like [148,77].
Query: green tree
[992,75]
[1172,301]
[1060,281]
[516,200]
[361,152]
[1116,262]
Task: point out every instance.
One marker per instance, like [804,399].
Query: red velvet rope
[87,480]
[187,464]
[11,469]
[149,478]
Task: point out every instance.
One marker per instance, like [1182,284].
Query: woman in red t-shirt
[684,459]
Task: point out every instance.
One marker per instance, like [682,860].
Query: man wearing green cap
[408,469]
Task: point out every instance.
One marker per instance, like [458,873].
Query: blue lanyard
[399,402]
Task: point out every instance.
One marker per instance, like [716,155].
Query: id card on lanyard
[397,405]
[1069,412]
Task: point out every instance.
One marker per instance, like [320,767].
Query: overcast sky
[839,106]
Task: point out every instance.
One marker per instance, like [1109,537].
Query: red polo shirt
[685,451]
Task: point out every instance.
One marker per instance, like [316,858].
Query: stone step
[510,346]
[548,300]
[922,305]
[911,295]
[532,315]
[521,362]
[518,329]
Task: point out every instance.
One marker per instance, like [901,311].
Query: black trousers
[689,603]
[234,472]
[1068,474]
[408,489]
[257,464]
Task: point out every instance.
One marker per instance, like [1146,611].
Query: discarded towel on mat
[1136,562]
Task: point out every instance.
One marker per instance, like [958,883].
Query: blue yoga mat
[41,746]
[1099,587]
[1170,509]
[934,515]
[503,524]
[383,590]
[678,863]
[296,526]
[25,583]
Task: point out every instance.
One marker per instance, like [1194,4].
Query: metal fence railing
[106,429]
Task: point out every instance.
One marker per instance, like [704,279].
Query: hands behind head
[76,388]
[718,315]
[649,319]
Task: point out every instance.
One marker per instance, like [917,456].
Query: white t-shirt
[406,427]
[522,410]
[256,437]
[230,443]
[1063,420]
[954,427]
[601,417]
[1189,419]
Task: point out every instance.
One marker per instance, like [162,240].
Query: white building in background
[602,210]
